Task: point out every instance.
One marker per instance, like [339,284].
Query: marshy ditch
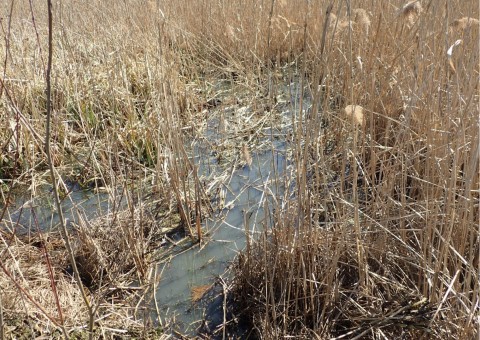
[251,170]
[243,164]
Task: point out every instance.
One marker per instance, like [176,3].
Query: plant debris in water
[377,107]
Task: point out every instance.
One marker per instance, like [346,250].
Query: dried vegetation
[380,239]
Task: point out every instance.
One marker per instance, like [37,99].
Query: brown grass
[114,256]
[381,239]
[388,230]
[110,88]
[115,121]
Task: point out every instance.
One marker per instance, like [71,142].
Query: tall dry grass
[118,109]
[112,88]
[382,239]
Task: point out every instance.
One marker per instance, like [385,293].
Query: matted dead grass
[115,256]
[381,239]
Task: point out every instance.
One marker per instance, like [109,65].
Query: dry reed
[381,239]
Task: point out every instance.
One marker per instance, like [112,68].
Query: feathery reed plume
[464,23]
[362,19]
[410,11]
[333,20]
[355,112]
[344,24]
[411,8]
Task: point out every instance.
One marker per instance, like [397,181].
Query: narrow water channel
[32,212]
[248,189]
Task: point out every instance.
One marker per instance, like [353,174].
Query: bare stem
[52,172]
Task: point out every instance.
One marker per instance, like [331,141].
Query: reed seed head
[355,113]
[411,11]
[465,23]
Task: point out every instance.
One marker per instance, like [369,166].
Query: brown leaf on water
[199,291]
[246,156]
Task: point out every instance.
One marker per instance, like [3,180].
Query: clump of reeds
[361,229]
[300,282]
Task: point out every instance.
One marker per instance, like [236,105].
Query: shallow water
[250,188]
[32,212]
[248,191]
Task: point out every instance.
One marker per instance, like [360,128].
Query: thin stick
[52,170]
